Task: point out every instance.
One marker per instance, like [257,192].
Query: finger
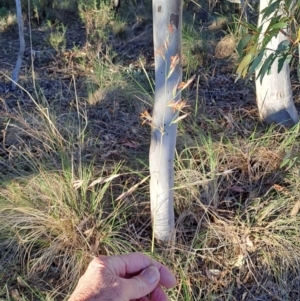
[122,265]
[167,278]
[141,285]
[131,263]
[159,294]
[144,299]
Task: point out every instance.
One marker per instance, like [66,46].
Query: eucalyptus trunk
[15,74]
[274,92]
[167,23]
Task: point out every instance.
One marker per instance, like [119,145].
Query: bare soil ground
[215,89]
[55,74]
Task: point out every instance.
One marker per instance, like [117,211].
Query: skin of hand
[123,278]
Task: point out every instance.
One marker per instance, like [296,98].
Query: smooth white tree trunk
[274,93]
[167,23]
[15,74]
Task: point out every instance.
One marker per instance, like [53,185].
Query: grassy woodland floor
[74,158]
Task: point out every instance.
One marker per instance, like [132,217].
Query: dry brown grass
[236,207]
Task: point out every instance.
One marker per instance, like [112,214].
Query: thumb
[142,284]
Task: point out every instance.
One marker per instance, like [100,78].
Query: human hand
[123,278]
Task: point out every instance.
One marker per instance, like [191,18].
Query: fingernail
[151,274]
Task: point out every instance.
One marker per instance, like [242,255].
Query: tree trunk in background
[167,22]
[15,74]
[274,92]
[244,7]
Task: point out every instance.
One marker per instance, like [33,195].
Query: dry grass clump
[220,172]
[57,207]
[59,221]
[238,220]
[7,21]
[249,251]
